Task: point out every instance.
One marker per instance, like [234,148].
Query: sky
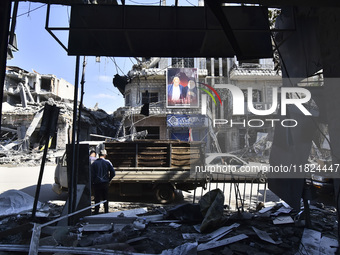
[39,51]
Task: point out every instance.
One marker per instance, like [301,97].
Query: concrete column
[62,136]
[23,95]
[220,67]
[212,68]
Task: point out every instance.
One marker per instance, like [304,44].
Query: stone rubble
[161,237]
[96,121]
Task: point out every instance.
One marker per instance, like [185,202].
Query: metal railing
[240,194]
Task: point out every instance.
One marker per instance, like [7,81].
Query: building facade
[148,84]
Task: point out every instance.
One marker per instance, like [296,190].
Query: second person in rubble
[102,173]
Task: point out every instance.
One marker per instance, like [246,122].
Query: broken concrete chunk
[214,244]
[103,239]
[151,218]
[282,210]
[96,219]
[120,217]
[87,240]
[126,213]
[97,227]
[328,245]
[263,235]
[266,209]
[286,205]
[130,232]
[310,242]
[184,249]
[313,243]
[191,236]
[218,233]
[197,228]
[139,225]
[283,220]
[175,225]
[241,216]
[269,204]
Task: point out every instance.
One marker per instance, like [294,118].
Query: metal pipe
[34,245]
[265,192]
[42,166]
[236,197]
[223,183]
[244,190]
[251,192]
[230,189]
[258,191]
[73,186]
[75,181]
[72,214]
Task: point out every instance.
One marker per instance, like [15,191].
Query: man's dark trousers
[101,192]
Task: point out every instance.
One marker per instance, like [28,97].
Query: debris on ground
[169,230]
[20,142]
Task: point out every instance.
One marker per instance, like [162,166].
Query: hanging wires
[131,61]
[190,3]
[117,67]
[29,11]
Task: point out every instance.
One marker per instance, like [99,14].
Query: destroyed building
[147,84]
[25,94]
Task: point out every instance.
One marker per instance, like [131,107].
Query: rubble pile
[19,146]
[177,229]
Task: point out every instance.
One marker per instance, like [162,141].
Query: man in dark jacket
[102,173]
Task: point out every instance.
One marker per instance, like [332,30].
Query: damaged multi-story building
[147,84]
[25,94]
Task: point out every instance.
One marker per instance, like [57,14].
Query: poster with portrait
[181,88]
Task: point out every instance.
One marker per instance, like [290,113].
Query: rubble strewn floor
[156,231]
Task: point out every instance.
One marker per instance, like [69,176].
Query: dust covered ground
[142,234]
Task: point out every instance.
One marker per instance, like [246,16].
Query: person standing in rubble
[102,173]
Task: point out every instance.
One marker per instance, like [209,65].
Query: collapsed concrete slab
[25,94]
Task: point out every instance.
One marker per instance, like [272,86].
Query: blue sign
[182,120]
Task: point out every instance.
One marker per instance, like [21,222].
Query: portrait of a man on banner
[182,87]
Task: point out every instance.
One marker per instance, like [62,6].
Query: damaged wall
[40,86]
[25,96]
